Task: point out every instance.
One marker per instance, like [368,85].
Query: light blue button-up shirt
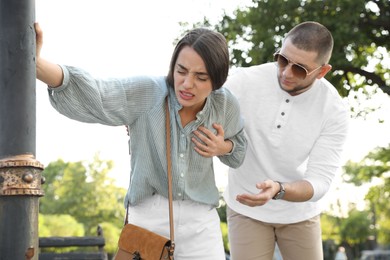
[139,102]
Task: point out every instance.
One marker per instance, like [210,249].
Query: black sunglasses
[298,70]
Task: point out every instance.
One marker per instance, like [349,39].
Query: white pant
[197,229]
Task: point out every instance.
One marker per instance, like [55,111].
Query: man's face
[290,76]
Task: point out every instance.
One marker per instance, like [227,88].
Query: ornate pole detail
[21,175]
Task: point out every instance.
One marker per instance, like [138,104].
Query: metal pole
[20,173]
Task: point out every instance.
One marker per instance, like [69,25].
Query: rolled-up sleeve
[234,131]
[236,157]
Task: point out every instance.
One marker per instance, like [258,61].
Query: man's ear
[324,70]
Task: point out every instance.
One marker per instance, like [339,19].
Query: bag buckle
[136,256]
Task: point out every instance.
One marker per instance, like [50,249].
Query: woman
[205,122]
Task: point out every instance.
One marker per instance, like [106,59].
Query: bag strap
[169,170]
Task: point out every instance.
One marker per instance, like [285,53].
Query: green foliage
[356,228]
[61,226]
[222,216]
[383,225]
[374,167]
[224,230]
[378,196]
[111,235]
[222,210]
[84,191]
[330,226]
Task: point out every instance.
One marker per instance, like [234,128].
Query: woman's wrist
[229,146]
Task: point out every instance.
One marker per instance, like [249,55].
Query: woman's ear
[324,70]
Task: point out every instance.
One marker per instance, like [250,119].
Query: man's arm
[297,191]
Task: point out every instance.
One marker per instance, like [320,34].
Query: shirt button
[181,155]
[278,126]
[182,135]
[179,194]
[182,175]
[287,100]
[282,113]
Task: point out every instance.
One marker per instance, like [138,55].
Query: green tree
[374,169]
[59,225]
[330,226]
[224,230]
[355,228]
[84,192]
[378,197]
[360,29]
[111,234]
[373,166]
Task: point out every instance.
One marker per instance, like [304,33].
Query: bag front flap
[136,239]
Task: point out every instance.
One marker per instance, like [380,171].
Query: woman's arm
[47,72]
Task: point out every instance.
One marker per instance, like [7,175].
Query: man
[296,125]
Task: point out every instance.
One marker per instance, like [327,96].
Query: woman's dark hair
[212,47]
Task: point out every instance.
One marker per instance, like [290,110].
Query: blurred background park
[87,166]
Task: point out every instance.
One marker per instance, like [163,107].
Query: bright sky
[112,38]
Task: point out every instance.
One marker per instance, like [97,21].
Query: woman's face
[192,82]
